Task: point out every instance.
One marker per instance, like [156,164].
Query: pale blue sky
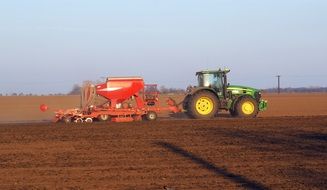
[47,46]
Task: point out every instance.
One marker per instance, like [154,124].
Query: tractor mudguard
[193,90]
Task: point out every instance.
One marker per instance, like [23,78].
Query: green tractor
[213,94]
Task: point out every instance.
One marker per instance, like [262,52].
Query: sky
[47,46]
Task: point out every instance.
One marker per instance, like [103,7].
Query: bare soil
[26,109]
[284,148]
[224,153]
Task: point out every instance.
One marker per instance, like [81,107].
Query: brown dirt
[295,104]
[26,109]
[261,153]
[269,152]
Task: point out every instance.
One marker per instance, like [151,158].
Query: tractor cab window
[210,80]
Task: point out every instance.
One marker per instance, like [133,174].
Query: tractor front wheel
[247,107]
[203,105]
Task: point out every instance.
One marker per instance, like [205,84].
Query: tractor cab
[215,79]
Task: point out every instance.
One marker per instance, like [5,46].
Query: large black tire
[246,107]
[203,105]
[233,112]
[186,104]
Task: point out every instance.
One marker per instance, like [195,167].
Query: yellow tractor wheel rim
[204,106]
[248,108]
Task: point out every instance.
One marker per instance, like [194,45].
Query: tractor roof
[213,71]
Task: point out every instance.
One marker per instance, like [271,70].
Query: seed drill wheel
[78,120]
[67,119]
[151,116]
[88,120]
[247,107]
[104,117]
[202,105]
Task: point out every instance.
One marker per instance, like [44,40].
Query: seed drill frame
[126,99]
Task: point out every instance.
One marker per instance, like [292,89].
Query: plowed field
[26,109]
[225,153]
[284,148]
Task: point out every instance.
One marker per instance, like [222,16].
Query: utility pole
[278,88]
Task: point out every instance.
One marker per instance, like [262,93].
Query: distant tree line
[301,89]
[76,90]
[165,90]
[30,94]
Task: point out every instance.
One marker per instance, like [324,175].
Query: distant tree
[76,90]
[165,90]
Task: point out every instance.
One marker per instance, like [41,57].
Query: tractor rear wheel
[233,113]
[247,107]
[186,104]
[203,105]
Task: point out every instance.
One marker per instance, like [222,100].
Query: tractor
[214,94]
